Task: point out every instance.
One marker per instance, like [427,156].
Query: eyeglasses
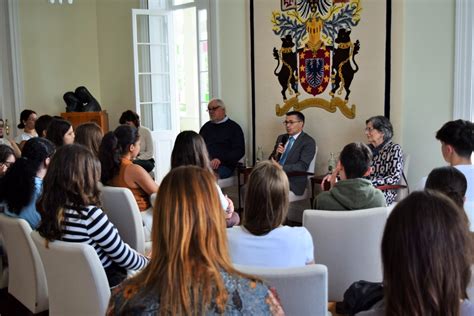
[369,129]
[290,122]
[212,109]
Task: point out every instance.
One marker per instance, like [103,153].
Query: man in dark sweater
[352,192]
[224,139]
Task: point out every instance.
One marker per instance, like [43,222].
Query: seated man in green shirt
[352,192]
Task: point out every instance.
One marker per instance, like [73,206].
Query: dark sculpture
[81,100]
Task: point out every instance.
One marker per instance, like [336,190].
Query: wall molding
[463,61]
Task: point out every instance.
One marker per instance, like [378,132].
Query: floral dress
[246,297]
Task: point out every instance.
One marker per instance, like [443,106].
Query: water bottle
[331,163]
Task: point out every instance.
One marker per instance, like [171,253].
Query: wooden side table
[77,118]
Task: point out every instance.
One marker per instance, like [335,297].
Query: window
[464,61]
[191,56]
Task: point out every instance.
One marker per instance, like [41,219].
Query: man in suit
[294,150]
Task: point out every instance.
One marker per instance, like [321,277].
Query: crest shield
[314,69]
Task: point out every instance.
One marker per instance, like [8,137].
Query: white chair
[302,290]
[348,243]
[231,181]
[27,280]
[122,210]
[403,192]
[307,194]
[77,282]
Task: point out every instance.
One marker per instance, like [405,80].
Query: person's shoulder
[307,137]
[297,232]
[467,308]
[235,282]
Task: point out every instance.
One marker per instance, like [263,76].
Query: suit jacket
[299,158]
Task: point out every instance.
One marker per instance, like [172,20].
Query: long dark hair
[71,181]
[190,149]
[18,184]
[266,201]
[56,130]
[426,255]
[114,145]
[450,181]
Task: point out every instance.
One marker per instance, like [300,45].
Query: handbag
[360,296]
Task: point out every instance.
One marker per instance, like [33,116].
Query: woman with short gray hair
[387,161]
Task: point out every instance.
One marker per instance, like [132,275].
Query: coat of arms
[316,52]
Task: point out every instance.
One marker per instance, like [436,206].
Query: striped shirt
[91,226]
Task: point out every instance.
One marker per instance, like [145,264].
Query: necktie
[287,150]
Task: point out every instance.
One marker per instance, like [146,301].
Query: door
[154,82]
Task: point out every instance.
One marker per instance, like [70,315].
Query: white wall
[59,52]
[427,82]
[234,63]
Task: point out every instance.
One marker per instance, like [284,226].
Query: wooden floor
[9,306]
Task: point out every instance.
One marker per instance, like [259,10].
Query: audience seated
[190,149]
[21,186]
[89,135]
[69,211]
[262,240]
[27,123]
[352,192]
[42,124]
[457,145]
[190,271]
[60,132]
[147,152]
[116,153]
[387,157]
[7,159]
[426,255]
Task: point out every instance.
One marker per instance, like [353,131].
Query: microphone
[282,139]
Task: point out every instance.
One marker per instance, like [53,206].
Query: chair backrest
[403,193]
[231,181]
[27,280]
[348,243]
[302,290]
[470,288]
[77,282]
[307,193]
[122,210]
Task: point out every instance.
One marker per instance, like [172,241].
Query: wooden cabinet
[77,118]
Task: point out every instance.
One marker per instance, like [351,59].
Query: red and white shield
[314,67]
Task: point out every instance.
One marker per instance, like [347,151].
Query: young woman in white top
[27,123]
[262,240]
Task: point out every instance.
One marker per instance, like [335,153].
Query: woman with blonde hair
[262,240]
[89,135]
[190,271]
